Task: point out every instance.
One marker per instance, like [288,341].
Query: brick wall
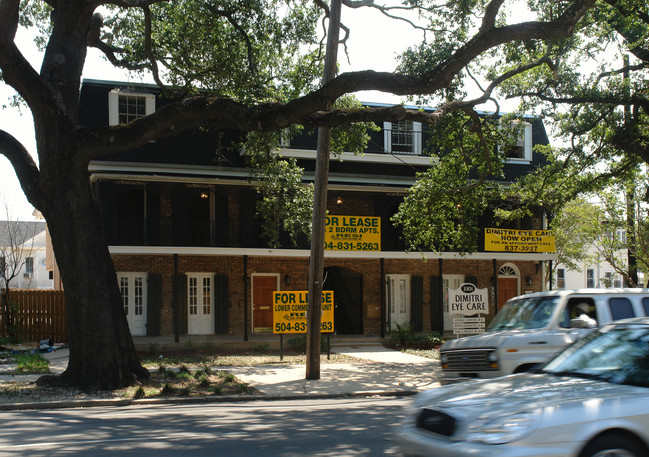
[297,270]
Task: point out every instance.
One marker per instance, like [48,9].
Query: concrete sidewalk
[388,372]
[379,371]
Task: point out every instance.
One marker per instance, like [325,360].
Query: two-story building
[190,258]
[23,255]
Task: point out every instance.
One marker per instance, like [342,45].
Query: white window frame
[590,278]
[561,278]
[113,103]
[134,293]
[200,303]
[526,137]
[416,134]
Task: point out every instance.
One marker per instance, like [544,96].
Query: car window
[529,313]
[578,307]
[620,308]
[617,354]
[645,305]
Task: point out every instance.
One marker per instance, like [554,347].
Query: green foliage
[285,203]
[443,208]
[139,393]
[405,338]
[203,381]
[354,136]
[403,335]
[261,50]
[588,94]
[227,377]
[31,363]
[573,230]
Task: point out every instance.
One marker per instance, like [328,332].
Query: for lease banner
[507,240]
[289,311]
[353,233]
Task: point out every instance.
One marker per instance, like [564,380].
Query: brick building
[190,258]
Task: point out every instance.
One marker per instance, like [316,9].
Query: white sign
[469,319]
[468,300]
[468,331]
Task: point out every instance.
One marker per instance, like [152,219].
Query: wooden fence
[40,315]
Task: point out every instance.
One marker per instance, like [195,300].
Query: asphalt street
[321,427]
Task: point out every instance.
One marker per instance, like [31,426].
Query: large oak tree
[257,65]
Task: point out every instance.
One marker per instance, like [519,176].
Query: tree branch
[23,165]
[16,70]
[94,41]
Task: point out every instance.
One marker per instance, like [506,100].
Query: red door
[262,303]
[507,288]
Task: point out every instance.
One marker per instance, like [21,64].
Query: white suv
[532,328]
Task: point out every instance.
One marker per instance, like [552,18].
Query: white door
[398,303]
[132,287]
[450,282]
[200,304]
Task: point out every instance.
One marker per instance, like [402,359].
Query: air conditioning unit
[27,275]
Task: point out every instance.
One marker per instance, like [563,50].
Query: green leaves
[250,50]
[285,203]
[442,210]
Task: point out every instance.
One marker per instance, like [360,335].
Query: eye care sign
[352,233]
[468,300]
[506,240]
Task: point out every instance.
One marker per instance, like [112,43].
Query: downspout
[440,263]
[495,284]
[245,298]
[382,297]
[175,304]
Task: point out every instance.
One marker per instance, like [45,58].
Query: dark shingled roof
[21,230]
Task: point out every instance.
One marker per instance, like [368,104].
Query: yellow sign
[506,240]
[289,311]
[353,233]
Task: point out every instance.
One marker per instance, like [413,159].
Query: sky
[369,47]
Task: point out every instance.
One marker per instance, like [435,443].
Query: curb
[67,404]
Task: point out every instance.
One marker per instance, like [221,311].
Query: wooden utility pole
[632,261]
[316,266]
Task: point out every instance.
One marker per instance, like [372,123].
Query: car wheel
[613,445]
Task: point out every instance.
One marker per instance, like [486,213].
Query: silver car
[591,400]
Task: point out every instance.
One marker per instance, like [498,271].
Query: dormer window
[125,106]
[522,149]
[403,137]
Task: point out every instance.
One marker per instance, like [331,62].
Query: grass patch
[29,363]
[227,357]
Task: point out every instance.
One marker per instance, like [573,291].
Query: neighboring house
[180,218]
[23,243]
[594,272]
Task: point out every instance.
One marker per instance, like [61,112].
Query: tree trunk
[102,354]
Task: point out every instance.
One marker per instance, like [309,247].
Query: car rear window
[645,304]
[621,308]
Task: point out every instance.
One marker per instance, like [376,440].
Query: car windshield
[617,354]
[526,313]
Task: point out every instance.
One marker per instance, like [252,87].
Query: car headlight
[500,429]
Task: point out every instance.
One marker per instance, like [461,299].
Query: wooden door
[507,288]
[262,303]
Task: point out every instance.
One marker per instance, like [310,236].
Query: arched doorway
[348,299]
[508,283]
